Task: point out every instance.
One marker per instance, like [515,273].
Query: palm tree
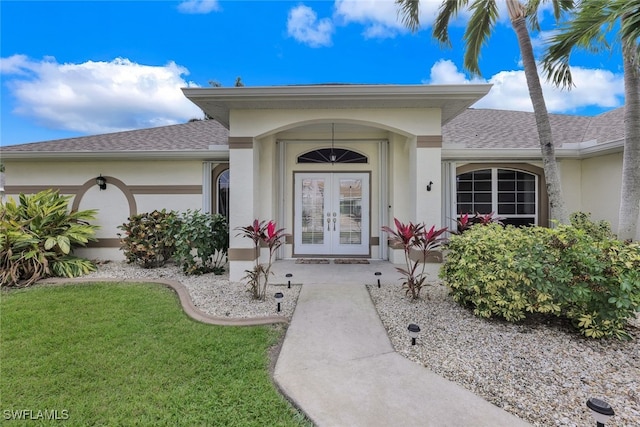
[588,29]
[483,19]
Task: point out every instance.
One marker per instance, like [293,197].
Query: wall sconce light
[601,411]
[279,296]
[101,181]
[429,185]
[414,330]
[288,276]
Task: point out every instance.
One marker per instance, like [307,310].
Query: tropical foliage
[37,238]
[201,242]
[149,238]
[417,243]
[267,233]
[512,273]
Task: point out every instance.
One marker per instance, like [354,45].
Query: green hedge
[507,272]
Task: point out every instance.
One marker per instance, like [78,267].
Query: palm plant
[481,24]
[588,29]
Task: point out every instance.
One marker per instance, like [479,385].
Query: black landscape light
[601,411]
[279,296]
[101,181]
[414,330]
[377,273]
[288,276]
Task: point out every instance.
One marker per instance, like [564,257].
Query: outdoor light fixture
[101,181]
[288,276]
[377,273]
[601,411]
[332,156]
[429,185]
[413,332]
[279,296]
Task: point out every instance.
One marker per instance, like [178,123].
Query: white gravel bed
[212,294]
[543,373]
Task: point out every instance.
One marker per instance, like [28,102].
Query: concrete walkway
[339,367]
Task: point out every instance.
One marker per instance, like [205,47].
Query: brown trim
[32,189]
[242,254]
[543,197]
[165,189]
[105,242]
[429,141]
[236,142]
[113,182]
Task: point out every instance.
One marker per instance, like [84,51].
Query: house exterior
[330,163]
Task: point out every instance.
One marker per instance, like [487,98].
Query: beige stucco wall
[600,187]
[146,186]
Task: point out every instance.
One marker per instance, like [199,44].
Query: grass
[123,354]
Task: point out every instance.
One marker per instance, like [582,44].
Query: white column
[428,167]
[242,176]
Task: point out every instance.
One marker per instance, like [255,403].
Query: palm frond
[410,13]
[483,19]
[448,10]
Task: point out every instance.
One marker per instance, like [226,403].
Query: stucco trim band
[242,254]
[236,142]
[429,141]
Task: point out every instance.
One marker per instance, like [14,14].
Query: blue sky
[78,68]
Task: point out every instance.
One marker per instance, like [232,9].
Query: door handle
[328,223]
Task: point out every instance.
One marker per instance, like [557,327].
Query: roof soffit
[451,99]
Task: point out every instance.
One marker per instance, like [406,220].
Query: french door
[331,214]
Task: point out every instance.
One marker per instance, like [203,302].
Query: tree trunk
[630,191]
[558,211]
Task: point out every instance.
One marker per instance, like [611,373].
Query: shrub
[201,242]
[149,238]
[600,230]
[37,237]
[510,272]
[414,237]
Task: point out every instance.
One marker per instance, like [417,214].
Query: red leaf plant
[273,237]
[414,238]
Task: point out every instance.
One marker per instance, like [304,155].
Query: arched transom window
[332,155]
[511,194]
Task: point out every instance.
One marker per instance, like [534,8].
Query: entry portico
[333,163]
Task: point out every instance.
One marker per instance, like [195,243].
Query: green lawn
[123,354]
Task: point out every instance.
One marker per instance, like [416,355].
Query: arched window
[332,155]
[511,194]
[222,193]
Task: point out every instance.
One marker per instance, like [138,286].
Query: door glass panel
[350,211]
[313,210]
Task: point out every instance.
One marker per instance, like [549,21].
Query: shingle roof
[477,128]
[474,128]
[192,136]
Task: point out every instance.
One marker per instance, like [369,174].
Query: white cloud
[593,87]
[380,17]
[98,97]
[198,6]
[304,26]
